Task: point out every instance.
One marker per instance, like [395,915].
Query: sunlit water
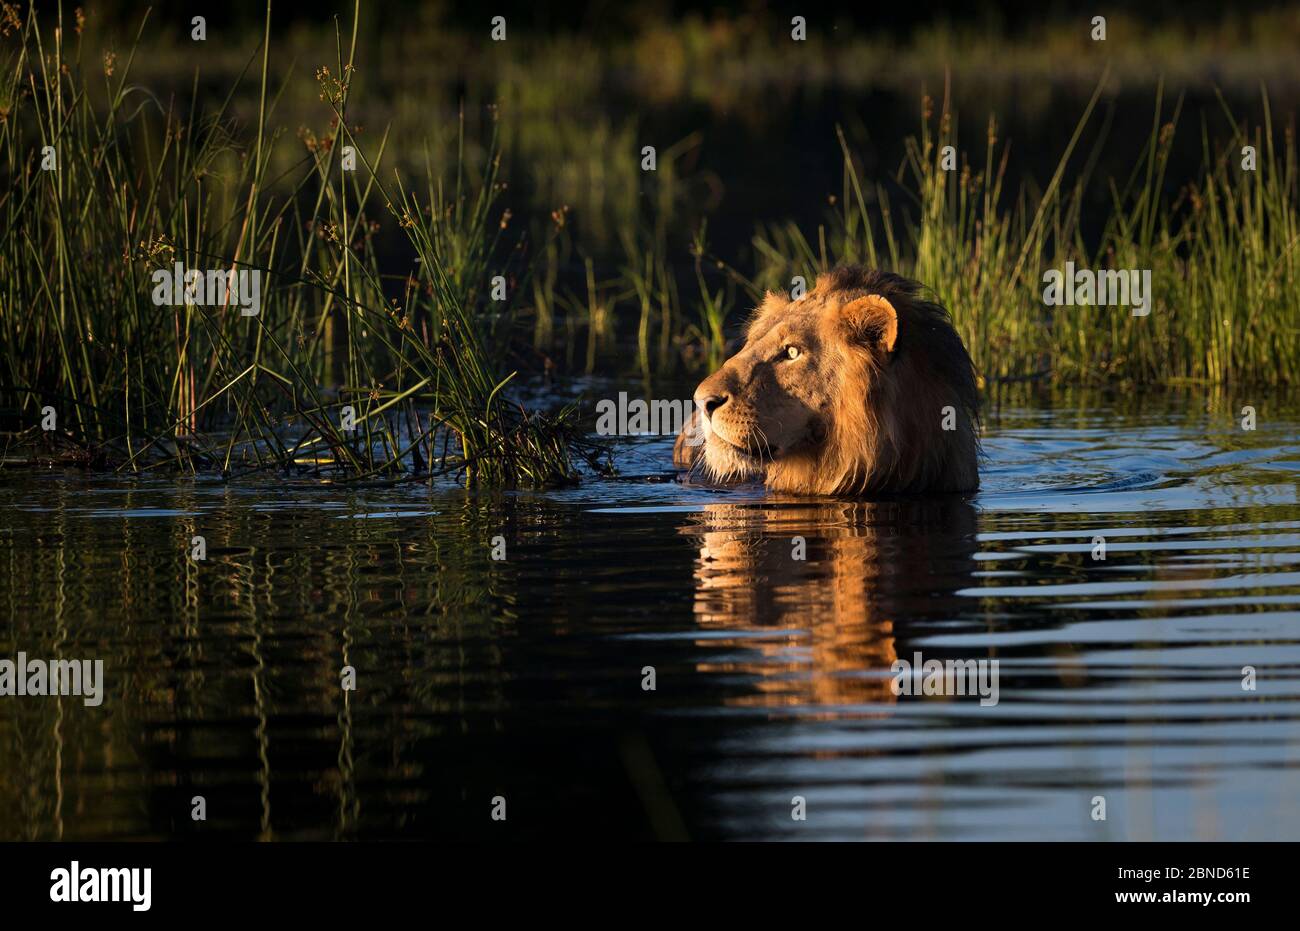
[523,678]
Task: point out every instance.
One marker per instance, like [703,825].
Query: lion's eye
[792,352]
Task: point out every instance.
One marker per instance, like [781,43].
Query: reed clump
[397,305]
[1223,256]
[335,367]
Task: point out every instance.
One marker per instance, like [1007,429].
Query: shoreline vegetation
[404,298]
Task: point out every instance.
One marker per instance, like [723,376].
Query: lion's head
[858,387]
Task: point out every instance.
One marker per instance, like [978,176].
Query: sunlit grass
[1223,256]
[400,294]
[343,367]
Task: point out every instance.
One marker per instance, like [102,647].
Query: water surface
[523,677]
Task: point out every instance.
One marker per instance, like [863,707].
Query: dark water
[523,678]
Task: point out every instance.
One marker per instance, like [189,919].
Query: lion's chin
[727,462]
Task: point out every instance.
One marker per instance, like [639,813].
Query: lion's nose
[712,403]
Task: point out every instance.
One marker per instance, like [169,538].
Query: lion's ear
[872,320]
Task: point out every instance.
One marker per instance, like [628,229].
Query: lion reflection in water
[832,619]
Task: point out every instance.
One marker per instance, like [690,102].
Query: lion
[860,387]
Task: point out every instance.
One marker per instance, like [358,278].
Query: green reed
[335,371]
[377,369]
[1223,257]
